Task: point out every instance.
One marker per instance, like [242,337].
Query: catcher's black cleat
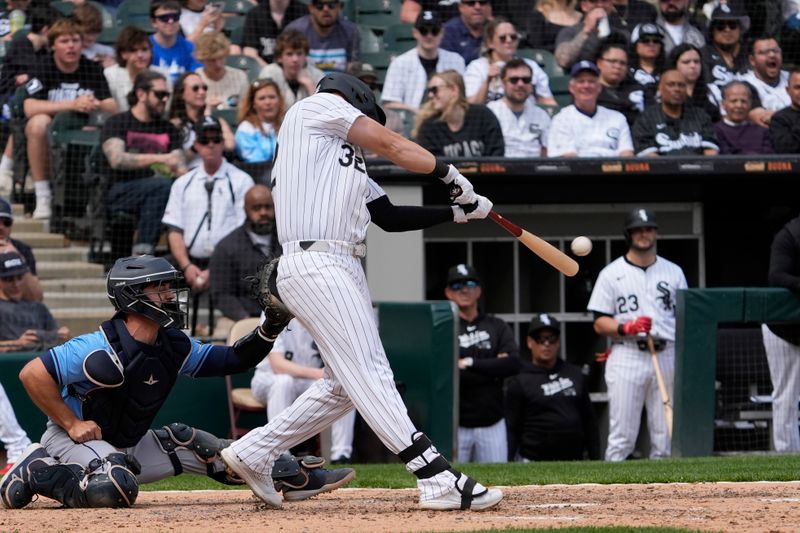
[313,481]
[15,491]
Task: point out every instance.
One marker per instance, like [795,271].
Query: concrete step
[29,225]
[73,253]
[62,300]
[17,210]
[82,320]
[68,269]
[97,284]
[41,240]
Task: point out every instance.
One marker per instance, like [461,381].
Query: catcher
[102,390]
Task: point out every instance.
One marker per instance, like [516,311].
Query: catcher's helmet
[639,218]
[356,92]
[127,279]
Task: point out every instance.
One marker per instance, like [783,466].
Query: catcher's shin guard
[204,445]
[110,482]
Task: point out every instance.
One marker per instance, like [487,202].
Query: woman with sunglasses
[482,77]
[134,53]
[646,58]
[686,59]
[447,125]
[260,115]
[547,19]
[188,106]
[291,71]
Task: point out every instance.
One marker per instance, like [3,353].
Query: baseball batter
[635,296]
[324,202]
[102,390]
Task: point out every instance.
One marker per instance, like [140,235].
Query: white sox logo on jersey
[666,296]
[479,338]
[565,386]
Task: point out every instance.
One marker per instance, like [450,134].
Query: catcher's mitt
[263,290]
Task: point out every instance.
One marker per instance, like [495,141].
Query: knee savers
[204,445]
[110,482]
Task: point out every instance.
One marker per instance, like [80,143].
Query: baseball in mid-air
[581,246]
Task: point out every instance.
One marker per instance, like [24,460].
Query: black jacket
[784,271]
[784,131]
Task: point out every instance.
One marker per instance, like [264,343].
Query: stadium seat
[237,7]
[241,399]
[246,63]
[380,61]
[551,110]
[228,115]
[370,43]
[398,38]
[544,58]
[234,28]
[135,13]
[377,14]
[560,87]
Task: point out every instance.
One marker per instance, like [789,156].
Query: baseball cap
[730,12]
[5,210]
[462,272]
[648,29]
[365,70]
[12,264]
[582,66]
[541,321]
[428,19]
[207,123]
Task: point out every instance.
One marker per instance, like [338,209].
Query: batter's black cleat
[312,481]
[15,491]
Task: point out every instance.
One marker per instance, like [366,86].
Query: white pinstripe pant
[13,436]
[784,369]
[328,293]
[632,384]
[488,444]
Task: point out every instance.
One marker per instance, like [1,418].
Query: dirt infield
[707,506]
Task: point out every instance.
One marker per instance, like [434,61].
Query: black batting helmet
[356,92]
[127,279]
[639,218]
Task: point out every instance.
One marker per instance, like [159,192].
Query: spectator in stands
[410,10]
[631,385]
[263,24]
[782,341]
[487,355]
[31,288]
[768,79]
[524,125]
[292,366]
[449,126]
[619,92]
[464,34]
[585,129]
[546,20]
[65,81]
[408,74]
[582,40]
[144,152]
[172,52]
[204,205]
[260,115]
[199,17]
[735,133]
[548,410]
[647,58]
[482,77]
[686,59]
[226,85]
[187,108]
[23,51]
[673,17]
[90,19]
[7,30]
[134,53]
[635,12]
[725,55]
[14,438]
[790,31]
[296,77]
[784,128]
[239,254]
[24,325]
[673,128]
[334,41]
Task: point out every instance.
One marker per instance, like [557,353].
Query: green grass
[732,468]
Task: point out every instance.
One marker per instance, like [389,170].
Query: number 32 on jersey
[349,158]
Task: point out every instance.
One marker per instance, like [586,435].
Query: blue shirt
[175,60]
[458,39]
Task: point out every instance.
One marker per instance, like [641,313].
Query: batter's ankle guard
[419,446]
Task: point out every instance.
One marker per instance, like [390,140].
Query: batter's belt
[658,344]
[331,247]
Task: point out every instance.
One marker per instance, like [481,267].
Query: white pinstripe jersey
[478,69]
[626,291]
[526,135]
[772,98]
[605,134]
[406,79]
[321,187]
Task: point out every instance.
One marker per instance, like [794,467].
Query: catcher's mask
[356,92]
[639,218]
[149,286]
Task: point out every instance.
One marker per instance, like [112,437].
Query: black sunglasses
[323,5]
[725,24]
[196,88]
[161,95]
[458,285]
[516,79]
[474,3]
[508,37]
[7,222]
[168,17]
[432,30]
[541,339]
[215,139]
[650,40]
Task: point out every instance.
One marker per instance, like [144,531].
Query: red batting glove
[602,357]
[641,324]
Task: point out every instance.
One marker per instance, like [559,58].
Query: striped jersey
[604,134]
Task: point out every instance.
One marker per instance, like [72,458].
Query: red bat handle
[512,228]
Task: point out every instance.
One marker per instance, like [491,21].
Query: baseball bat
[555,257]
[662,387]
